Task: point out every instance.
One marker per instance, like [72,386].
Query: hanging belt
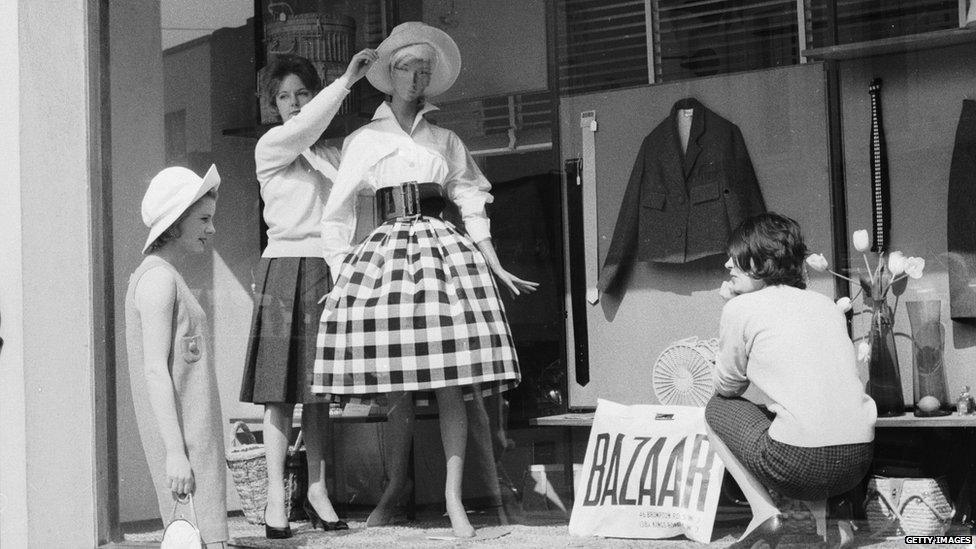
[409,199]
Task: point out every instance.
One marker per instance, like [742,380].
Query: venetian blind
[706,37]
[862,20]
[601,44]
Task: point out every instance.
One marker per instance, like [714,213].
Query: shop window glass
[862,20]
[507,122]
[704,38]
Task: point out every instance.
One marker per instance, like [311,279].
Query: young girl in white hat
[415,306]
[295,171]
[172,377]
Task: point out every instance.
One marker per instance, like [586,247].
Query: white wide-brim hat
[446,67]
[171,193]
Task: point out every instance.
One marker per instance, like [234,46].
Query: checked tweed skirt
[793,471]
[414,308]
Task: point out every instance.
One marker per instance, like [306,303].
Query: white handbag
[181,533]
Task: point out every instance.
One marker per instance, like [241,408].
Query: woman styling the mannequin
[815,439]
[415,305]
[295,171]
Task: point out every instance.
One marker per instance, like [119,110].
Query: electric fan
[682,374]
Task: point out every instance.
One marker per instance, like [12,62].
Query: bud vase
[884,378]
[928,366]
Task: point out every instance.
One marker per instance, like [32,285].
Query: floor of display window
[536,528]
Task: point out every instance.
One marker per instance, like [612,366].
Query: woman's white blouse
[381,154]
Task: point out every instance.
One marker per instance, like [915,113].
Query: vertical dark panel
[577,276]
[835,139]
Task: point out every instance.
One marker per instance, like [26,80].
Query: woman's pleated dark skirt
[284,326]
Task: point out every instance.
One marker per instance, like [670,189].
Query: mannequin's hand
[179,474]
[514,284]
[360,64]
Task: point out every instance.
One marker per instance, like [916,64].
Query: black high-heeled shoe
[766,534]
[316,521]
[272,532]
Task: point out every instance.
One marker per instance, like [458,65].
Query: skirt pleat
[415,308]
[284,323]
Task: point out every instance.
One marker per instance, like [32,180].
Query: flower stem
[842,276]
[868,265]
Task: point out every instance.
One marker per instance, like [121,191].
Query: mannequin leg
[484,452]
[315,419]
[277,431]
[454,436]
[399,438]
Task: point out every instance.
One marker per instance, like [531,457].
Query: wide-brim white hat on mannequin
[171,193]
[445,68]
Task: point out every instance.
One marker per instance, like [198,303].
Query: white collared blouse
[381,154]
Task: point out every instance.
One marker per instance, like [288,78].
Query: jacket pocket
[654,200]
[191,348]
[703,193]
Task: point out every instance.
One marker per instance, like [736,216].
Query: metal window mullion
[649,7]
[801,29]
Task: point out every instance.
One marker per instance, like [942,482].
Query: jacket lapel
[697,129]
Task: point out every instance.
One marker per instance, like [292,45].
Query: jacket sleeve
[747,185]
[623,245]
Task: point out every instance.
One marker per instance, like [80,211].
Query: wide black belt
[409,199]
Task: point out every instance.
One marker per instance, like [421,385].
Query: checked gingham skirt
[805,473]
[414,308]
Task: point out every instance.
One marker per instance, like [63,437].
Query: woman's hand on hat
[360,64]
[179,474]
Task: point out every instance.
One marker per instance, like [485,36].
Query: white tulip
[817,262]
[896,263]
[863,351]
[844,304]
[914,267]
[862,242]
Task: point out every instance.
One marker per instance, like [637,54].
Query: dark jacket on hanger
[681,207]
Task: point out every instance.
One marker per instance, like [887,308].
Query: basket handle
[241,427]
[935,512]
[277,16]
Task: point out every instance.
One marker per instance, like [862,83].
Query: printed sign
[649,472]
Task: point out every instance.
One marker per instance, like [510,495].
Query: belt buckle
[407,201]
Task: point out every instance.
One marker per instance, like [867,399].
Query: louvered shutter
[863,20]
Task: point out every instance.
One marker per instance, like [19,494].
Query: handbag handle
[193,510]
[897,512]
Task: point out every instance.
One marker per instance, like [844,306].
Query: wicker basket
[327,40]
[898,507]
[248,467]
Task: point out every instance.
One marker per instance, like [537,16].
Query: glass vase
[928,365]
[884,378]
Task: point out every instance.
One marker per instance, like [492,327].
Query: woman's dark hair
[769,247]
[173,231]
[291,64]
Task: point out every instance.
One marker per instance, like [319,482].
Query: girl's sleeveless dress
[197,405]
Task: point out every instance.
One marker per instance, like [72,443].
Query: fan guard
[682,374]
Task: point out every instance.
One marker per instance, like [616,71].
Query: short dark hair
[769,247]
[291,64]
[173,231]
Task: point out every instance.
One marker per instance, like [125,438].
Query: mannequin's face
[742,283]
[410,77]
[291,97]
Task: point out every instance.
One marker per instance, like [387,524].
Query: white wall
[47,470]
